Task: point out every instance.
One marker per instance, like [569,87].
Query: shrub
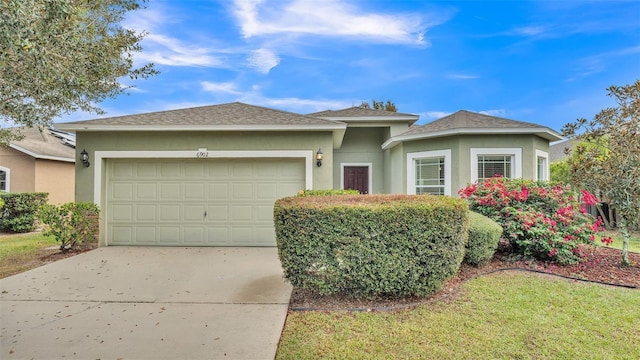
[484,236]
[368,246]
[71,223]
[540,220]
[19,211]
[328,192]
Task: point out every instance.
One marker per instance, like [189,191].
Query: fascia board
[41,156]
[544,132]
[85,127]
[371,118]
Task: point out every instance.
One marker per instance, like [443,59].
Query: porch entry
[356,178]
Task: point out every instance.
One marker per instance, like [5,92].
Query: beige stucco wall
[192,141]
[56,178]
[22,169]
[28,174]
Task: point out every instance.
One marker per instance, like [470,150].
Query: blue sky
[547,62]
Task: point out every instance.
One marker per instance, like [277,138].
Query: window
[430,176]
[429,172]
[489,162]
[4,179]
[542,165]
[493,165]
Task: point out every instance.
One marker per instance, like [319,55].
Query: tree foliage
[70,223]
[607,158]
[62,56]
[380,105]
[560,172]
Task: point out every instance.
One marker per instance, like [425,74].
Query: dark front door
[357,178]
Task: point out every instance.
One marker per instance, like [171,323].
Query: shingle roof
[231,114]
[556,150]
[43,145]
[469,120]
[358,111]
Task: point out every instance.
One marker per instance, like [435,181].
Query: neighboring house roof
[231,116]
[556,150]
[358,113]
[42,144]
[467,122]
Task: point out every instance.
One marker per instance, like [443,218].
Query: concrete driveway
[147,303]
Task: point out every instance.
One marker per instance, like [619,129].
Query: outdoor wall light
[319,158]
[84,156]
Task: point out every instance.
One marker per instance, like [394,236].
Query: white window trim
[369,165]
[308,155]
[411,168]
[516,153]
[545,171]
[8,180]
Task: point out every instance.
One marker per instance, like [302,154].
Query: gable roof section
[231,116]
[234,116]
[469,123]
[41,144]
[356,113]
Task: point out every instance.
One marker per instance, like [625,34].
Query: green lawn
[634,241]
[499,316]
[18,250]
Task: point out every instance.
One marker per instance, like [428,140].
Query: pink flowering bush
[540,220]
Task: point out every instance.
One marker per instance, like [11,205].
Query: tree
[62,56]
[379,105]
[560,172]
[608,156]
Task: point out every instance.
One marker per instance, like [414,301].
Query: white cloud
[305,105]
[598,63]
[328,18]
[163,49]
[432,115]
[495,112]
[263,60]
[223,87]
[463,76]
[529,30]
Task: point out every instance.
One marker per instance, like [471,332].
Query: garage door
[197,202]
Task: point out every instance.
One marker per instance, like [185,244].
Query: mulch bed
[54,254]
[603,265]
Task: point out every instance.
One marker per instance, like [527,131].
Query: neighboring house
[208,176]
[43,161]
[557,150]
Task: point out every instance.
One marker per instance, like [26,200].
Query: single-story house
[43,161]
[208,176]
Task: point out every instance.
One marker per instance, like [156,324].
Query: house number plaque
[202,153]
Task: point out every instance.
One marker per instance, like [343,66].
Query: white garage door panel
[205,202]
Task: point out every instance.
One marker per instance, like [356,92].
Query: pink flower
[607,240]
[588,198]
[595,227]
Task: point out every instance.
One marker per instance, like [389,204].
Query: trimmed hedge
[328,192]
[368,246]
[19,211]
[484,236]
